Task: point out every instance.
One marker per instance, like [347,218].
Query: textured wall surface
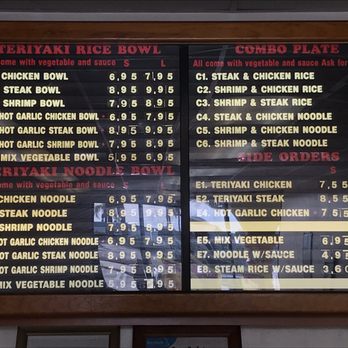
[8,337]
[294,338]
[252,337]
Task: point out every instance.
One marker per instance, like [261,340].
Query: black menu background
[163,167]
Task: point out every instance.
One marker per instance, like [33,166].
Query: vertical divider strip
[185,170]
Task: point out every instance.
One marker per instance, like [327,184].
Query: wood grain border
[329,308]
[174,31]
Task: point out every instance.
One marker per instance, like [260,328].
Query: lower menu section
[128,247]
[280,260]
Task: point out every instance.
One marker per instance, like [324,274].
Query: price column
[141,247]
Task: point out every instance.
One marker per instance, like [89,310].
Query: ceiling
[173,10]
[178,6]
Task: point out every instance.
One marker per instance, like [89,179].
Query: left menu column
[90,168]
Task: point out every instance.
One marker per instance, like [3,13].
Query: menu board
[90,168]
[268,166]
[156,167]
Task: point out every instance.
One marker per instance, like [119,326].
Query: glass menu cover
[155,167]
[186,342]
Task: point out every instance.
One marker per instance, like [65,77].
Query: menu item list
[90,180]
[268,174]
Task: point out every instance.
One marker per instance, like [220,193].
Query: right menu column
[268,166]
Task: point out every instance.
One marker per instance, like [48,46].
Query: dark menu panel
[268,166]
[90,168]
[91,171]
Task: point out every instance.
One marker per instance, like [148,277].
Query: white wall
[126,337]
[294,338]
[8,337]
[170,17]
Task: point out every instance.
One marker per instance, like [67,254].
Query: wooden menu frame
[247,308]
